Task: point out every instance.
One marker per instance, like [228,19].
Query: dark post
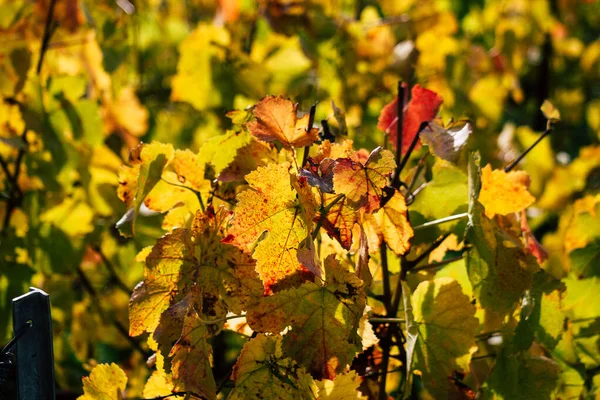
[34,354]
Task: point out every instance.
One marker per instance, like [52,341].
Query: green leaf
[444,194]
[521,377]
[585,262]
[446,326]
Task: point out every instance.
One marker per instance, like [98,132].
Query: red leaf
[423,107]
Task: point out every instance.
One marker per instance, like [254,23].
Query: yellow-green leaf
[446,326]
[106,382]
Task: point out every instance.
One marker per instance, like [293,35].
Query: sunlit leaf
[504,192]
[280,205]
[262,371]
[423,107]
[106,382]
[363,183]
[323,319]
[445,329]
[276,119]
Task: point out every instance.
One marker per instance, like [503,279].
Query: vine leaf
[362,183]
[191,358]
[137,181]
[423,107]
[342,387]
[390,223]
[280,205]
[221,150]
[188,258]
[504,192]
[521,375]
[446,326]
[276,119]
[262,371]
[161,275]
[340,219]
[323,319]
[106,382]
[500,268]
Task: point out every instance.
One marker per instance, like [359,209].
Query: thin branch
[387,320]
[87,285]
[387,291]
[437,264]
[112,270]
[440,221]
[523,154]
[427,252]
[423,125]
[198,194]
[311,121]
[399,123]
[324,212]
[48,31]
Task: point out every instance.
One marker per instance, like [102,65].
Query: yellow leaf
[550,111]
[390,223]
[504,192]
[276,120]
[261,372]
[106,382]
[282,207]
[323,320]
[343,387]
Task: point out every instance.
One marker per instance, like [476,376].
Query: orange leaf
[423,107]
[362,183]
[276,120]
[504,192]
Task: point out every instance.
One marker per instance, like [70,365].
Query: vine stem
[437,264]
[311,121]
[87,285]
[514,162]
[399,123]
[48,31]
[440,221]
[387,320]
[112,270]
[323,215]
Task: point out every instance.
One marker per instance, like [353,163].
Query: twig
[112,270]
[387,291]
[387,320]
[399,123]
[437,264]
[514,162]
[432,247]
[48,30]
[87,285]
[311,121]
[440,221]
[324,211]
[411,147]
[15,194]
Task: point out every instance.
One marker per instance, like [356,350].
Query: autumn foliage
[306,199]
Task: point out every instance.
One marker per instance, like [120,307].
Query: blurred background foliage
[115,73]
